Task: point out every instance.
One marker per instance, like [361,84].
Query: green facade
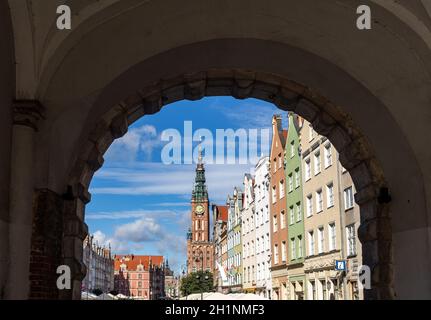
[294,194]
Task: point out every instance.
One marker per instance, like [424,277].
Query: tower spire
[200,189]
[200,150]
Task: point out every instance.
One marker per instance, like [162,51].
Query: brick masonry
[46,244]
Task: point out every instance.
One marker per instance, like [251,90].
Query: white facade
[262,228]
[100,267]
[249,245]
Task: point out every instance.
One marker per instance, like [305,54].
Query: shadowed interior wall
[7,88]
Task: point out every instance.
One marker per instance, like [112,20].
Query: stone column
[74,232]
[26,115]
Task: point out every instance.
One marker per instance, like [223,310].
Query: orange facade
[278,209]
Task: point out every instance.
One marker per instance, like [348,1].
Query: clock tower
[199,246]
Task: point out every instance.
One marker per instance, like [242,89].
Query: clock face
[199,209]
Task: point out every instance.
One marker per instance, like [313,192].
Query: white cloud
[127,214]
[251,113]
[99,237]
[146,229]
[141,139]
[160,179]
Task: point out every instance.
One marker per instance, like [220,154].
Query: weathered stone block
[119,126]
[195,90]
[361,175]
[339,138]
[323,123]
[367,231]
[152,104]
[95,159]
[307,110]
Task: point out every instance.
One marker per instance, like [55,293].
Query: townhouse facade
[100,266]
[295,215]
[279,233]
[249,239]
[294,220]
[139,277]
[352,249]
[220,217]
[262,228]
[325,218]
[234,242]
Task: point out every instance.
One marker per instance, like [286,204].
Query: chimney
[277,124]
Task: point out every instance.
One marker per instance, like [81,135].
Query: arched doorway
[327,119]
[111,62]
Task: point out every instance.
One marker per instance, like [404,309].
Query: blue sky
[140,204]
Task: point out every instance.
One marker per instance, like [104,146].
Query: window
[332,237]
[274,194]
[202,224]
[319,201]
[196,225]
[275,254]
[203,236]
[311,243]
[317,166]
[348,198]
[309,205]
[297,178]
[290,183]
[283,251]
[307,169]
[282,220]
[298,212]
[293,248]
[323,284]
[257,245]
[321,241]
[299,246]
[281,188]
[313,290]
[292,215]
[263,244]
[280,161]
[292,149]
[328,156]
[275,165]
[351,240]
[330,195]
[258,271]
[196,236]
[274,223]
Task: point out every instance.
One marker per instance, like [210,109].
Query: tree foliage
[196,282]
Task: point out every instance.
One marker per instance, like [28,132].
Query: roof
[132,261]
[222,212]
[283,141]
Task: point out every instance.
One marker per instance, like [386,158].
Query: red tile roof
[222,212]
[132,261]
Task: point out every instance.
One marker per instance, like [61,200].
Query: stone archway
[356,155]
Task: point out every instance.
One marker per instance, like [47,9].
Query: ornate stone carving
[28,113]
